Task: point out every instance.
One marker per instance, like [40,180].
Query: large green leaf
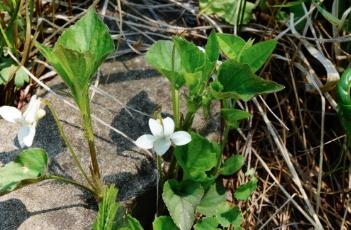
[214,196]
[227,9]
[207,223]
[163,223]
[197,158]
[240,83]
[79,52]
[256,55]
[29,166]
[181,199]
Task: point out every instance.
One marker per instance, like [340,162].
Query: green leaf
[29,166]
[240,83]
[256,55]
[160,56]
[79,52]
[181,199]
[207,223]
[245,191]
[227,9]
[233,116]
[7,73]
[231,45]
[21,78]
[107,210]
[163,223]
[133,224]
[213,197]
[212,47]
[197,158]
[232,165]
[230,216]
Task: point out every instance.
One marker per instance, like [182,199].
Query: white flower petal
[11,114]
[161,146]
[168,126]
[180,138]
[32,109]
[156,127]
[145,141]
[26,136]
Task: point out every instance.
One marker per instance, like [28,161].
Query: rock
[128,86]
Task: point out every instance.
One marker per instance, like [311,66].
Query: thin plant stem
[73,182]
[175,94]
[159,180]
[67,143]
[91,142]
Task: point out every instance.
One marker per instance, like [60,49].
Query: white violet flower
[28,120]
[163,136]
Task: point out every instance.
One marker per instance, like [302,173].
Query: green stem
[159,183]
[176,107]
[223,145]
[88,129]
[73,182]
[175,95]
[68,144]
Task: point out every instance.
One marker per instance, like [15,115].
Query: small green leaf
[197,158]
[231,45]
[30,165]
[21,77]
[181,199]
[256,55]
[79,52]
[164,223]
[7,73]
[244,191]
[133,224]
[232,165]
[240,83]
[207,223]
[233,116]
[213,197]
[230,216]
[212,47]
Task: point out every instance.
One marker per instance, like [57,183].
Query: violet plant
[193,190]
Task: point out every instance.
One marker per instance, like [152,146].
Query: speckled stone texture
[53,205]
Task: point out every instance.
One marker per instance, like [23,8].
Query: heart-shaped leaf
[240,83]
[181,199]
[164,222]
[197,158]
[29,166]
[79,52]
